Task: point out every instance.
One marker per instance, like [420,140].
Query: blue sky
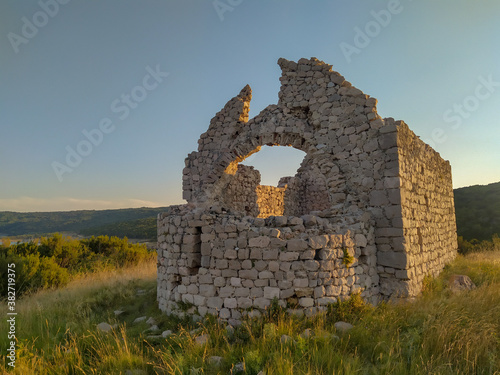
[150,75]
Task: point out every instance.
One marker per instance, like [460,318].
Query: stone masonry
[369,211]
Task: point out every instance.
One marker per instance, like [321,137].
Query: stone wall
[427,208]
[271,200]
[366,183]
[227,265]
[240,193]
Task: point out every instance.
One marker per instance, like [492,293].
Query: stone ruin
[369,211]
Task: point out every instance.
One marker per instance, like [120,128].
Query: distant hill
[130,222]
[139,229]
[478,211]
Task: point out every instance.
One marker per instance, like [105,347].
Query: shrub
[350,309]
[53,261]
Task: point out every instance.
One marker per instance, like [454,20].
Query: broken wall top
[318,112]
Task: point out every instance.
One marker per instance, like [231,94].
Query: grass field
[438,333]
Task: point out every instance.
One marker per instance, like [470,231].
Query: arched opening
[275,163]
[276,166]
[275,181]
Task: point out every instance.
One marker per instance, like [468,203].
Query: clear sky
[101,101]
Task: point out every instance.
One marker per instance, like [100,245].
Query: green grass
[437,333]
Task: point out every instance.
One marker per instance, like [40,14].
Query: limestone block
[244,303]
[360,240]
[336,241]
[301,283]
[262,303]
[205,279]
[311,265]
[229,273]
[288,256]
[234,265]
[226,291]
[224,314]
[260,242]
[318,242]
[392,259]
[215,302]
[306,302]
[307,254]
[207,290]
[221,264]
[296,245]
[230,303]
[274,266]
[261,265]
[378,198]
[286,293]
[271,293]
[266,275]
[280,221]
[319,292]
[199,300]
[230,254]
[256,253]
[261,282]
[270,254]
[242,292]
[207,237]
[219,281]
[252,274]
[256,292]
[192,289]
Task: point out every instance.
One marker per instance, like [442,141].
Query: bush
[348,310]
[475,246]
[52,262]
[32,273]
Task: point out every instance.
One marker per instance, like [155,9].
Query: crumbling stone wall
[241,191]
[271,200]
[236,263]
[368,188]
[307,191]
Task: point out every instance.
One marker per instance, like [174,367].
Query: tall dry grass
[438,333]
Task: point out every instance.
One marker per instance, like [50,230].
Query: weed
[347,258]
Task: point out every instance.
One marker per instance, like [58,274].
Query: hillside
[478,211]
[139,229]
[123,222]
